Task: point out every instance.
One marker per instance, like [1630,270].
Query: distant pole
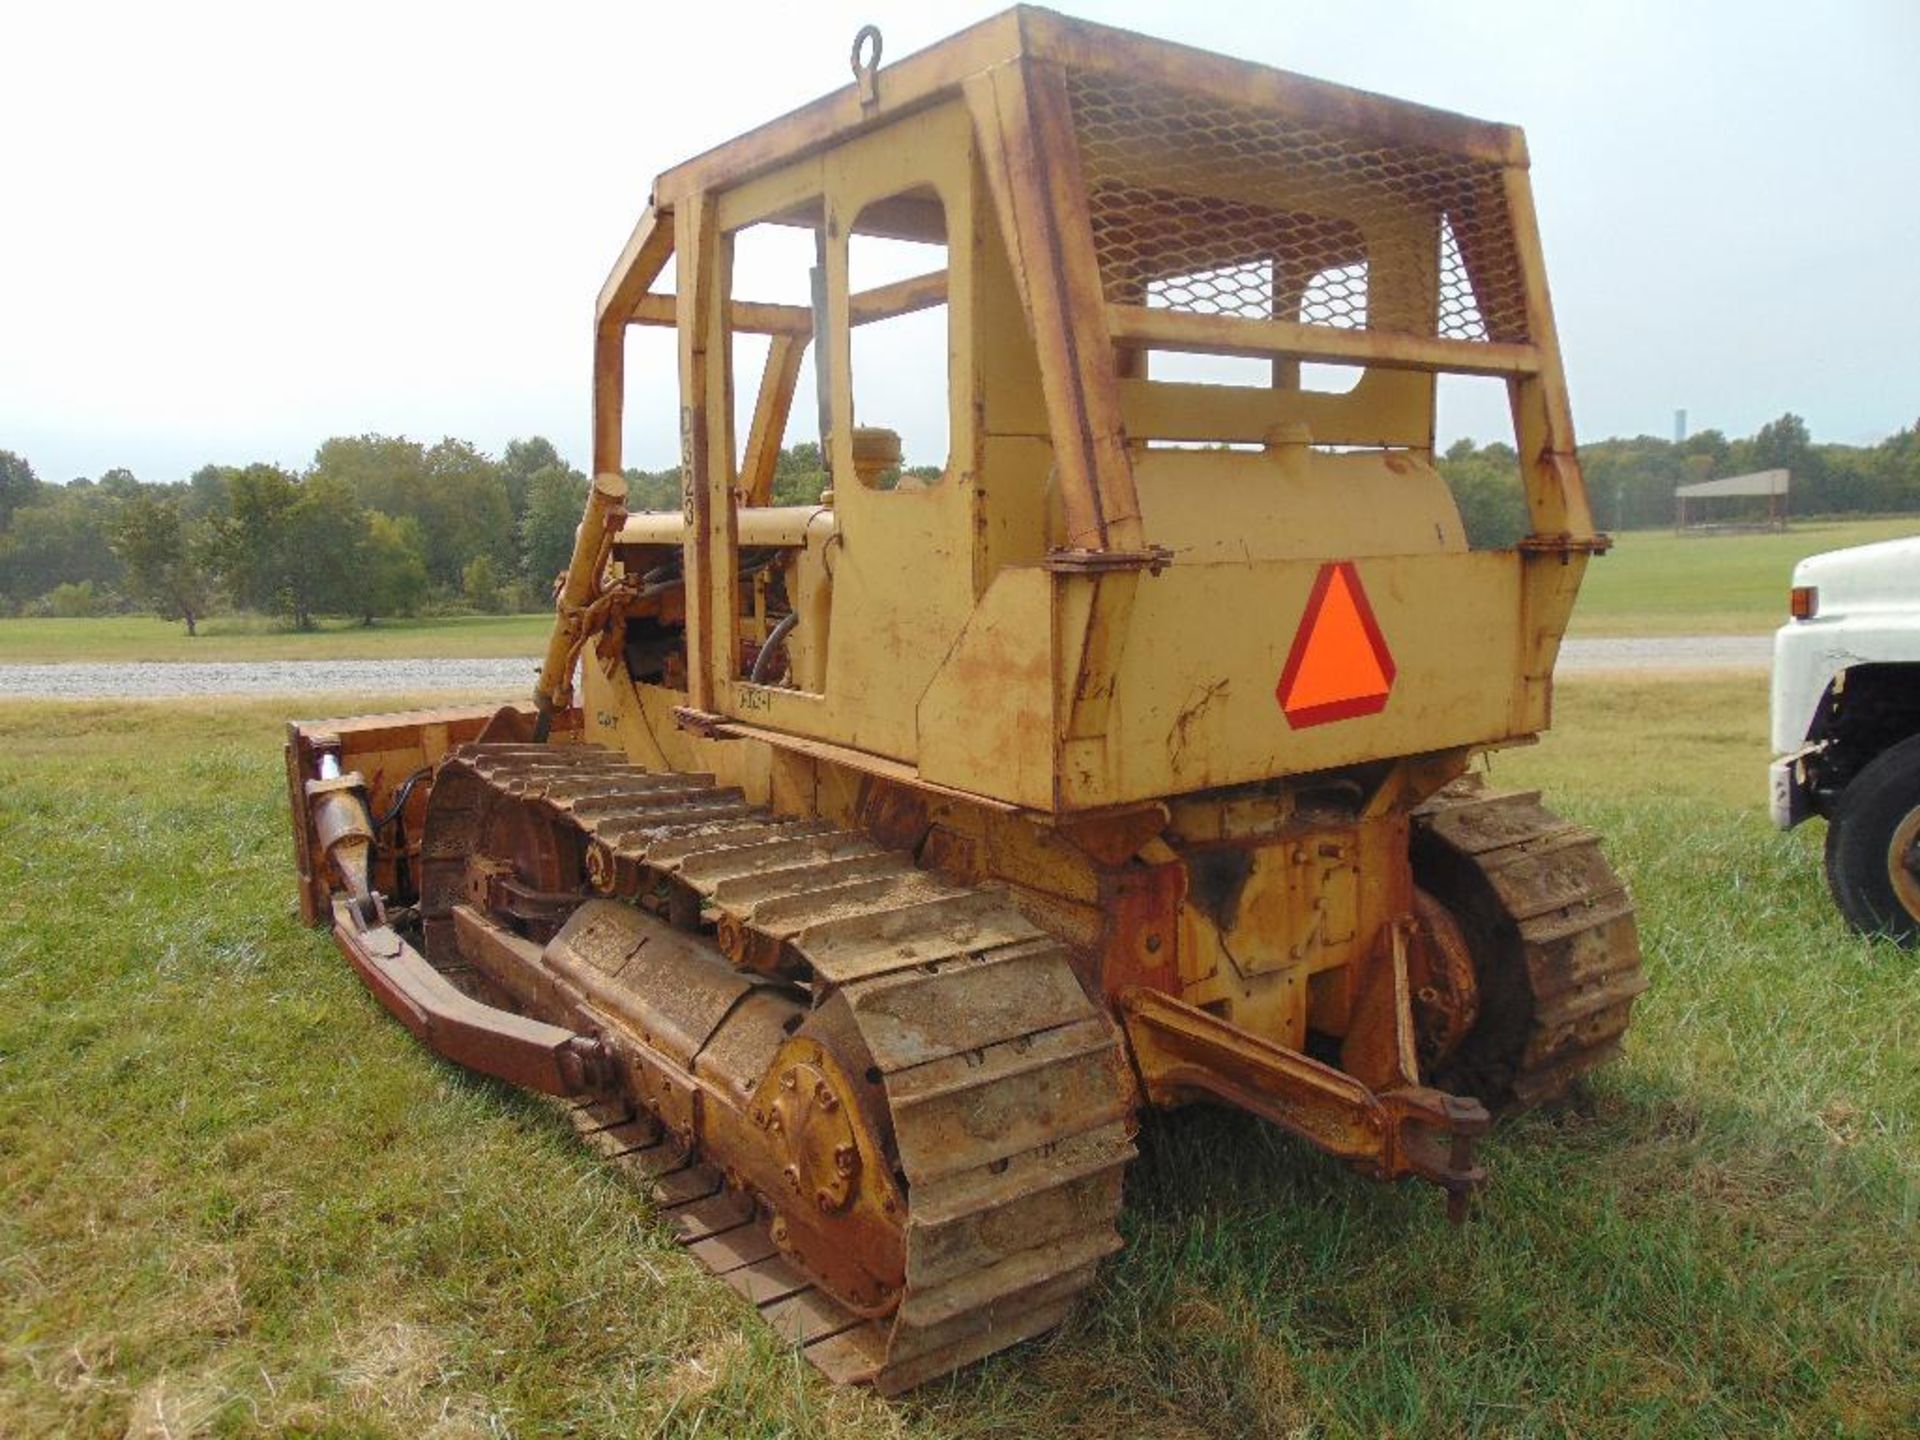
[1679,427]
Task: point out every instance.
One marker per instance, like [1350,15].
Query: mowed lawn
[256,637]
[239,1200]
[1654,582]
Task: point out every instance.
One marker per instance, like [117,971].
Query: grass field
[254,637]
[238,1200]
[1655,582]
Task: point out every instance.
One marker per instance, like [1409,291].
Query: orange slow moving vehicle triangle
[1339,666]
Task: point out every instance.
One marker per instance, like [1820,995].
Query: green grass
[239,1200]
[253,637]
[1655,582]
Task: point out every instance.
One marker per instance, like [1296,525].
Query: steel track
[1540,899]
[1005,1085]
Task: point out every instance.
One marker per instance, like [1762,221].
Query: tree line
[1630,483]
[385,526]
[376,526]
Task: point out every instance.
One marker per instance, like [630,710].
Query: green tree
[1486,487]
[1712,446]
[61,538]
[459,497]
[1786,444]
[164,556]
[1896,465]
[387,473]
[521,462]
[290,546]
[119,483]
[800,475]
[204,496]
[653,489]
[1782,444]
[480,584]
[73,601]
[556,496]
[328,529]
[249,543]
[1850,479]
[1631,481]
[466,513]
[393,567]
[19,486]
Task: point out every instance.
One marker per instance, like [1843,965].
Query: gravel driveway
[513,678]
[173,680]
[1666,652]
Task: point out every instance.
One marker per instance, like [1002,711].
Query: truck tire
[1873,846]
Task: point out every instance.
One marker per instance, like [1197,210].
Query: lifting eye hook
[866,71]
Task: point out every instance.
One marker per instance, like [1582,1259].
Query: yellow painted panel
[1018,512]
[1291,502]
[902,561]
[1386,407]
[1194,701]
[987,720]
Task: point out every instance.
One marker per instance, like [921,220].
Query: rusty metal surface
[1903,862]
[1379,1048]
[1445,986]
[384,749]
[930,1145]
[1555,928]
[934,1141]
[579,591]
[522,1051]
[1410,1131]
[921,1161]
[343,831]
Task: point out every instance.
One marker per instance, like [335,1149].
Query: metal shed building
[1770,484]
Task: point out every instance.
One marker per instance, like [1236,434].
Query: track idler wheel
[839,1208]
[1445,990]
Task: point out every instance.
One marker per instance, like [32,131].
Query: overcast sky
[230,231]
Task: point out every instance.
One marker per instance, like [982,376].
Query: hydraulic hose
[758,675]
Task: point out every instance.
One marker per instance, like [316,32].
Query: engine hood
[1885,575]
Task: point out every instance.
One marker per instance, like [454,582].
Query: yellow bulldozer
[898,849]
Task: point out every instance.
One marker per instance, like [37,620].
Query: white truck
[1846,727]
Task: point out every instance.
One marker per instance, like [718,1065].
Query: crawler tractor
[899,849]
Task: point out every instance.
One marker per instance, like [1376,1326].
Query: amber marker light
[1803,601]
